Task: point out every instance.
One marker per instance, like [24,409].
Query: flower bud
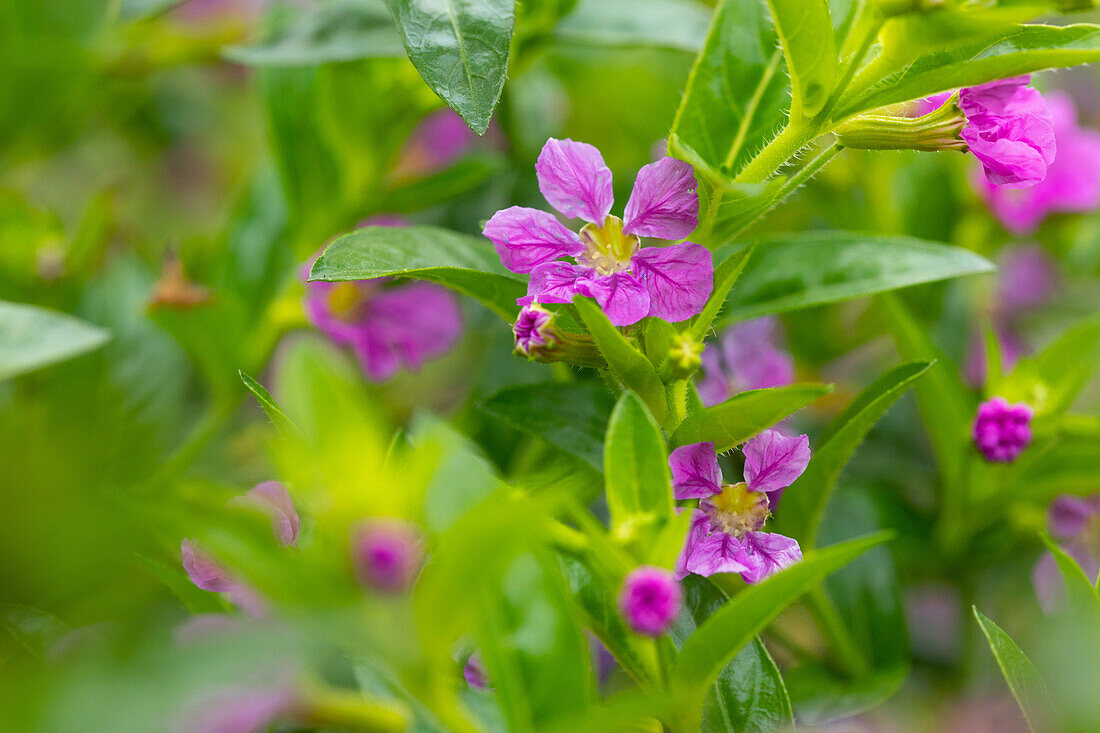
[387,554]
[1002,430]
[650,600]
[684,357]
[474,672]
[538,338]
[940,129]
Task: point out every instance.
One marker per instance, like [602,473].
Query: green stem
[785,145]
[677,403]
[836,633]
[328,707]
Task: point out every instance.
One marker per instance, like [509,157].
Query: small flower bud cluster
[1002,430]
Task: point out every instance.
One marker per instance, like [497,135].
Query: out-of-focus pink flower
[650,600]
[1001,431]
[387,327]
[238,710]
[474,672]
[747,356]
[1075,522]
[272,498]
[629,281]
[1072,182]
[387,554]
[209,575]
[439,140]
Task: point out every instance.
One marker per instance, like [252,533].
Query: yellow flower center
[608,249]
[346,301]
[738,510]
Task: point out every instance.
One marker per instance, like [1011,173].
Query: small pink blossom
[1001,431]
[387,554]
[746,356]
[650,600]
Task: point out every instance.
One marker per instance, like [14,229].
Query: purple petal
[752,357]
[239,711]
[717,553]
[664,202]
[695,471]
[202,570]
[406,326]
[773,461]
[525,238]
[697,532]
[766,553]
[574,179]
[338,309]
[624,299]
[1047,578]
[1010,129]
[273,497]
[1069,515]
[679,279]
[556,282]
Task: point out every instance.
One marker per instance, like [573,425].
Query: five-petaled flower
[725,535]
[1002,431]
[629,281]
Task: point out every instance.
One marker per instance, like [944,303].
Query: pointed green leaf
[676,24]
[627,363]
[707,651]
[33,337]
[746,414]
[806,31]
[639,485]
[458,261]
[1063,368]
[1027,685]
[804,501]
[274,413]
[460,47]
[1082,596]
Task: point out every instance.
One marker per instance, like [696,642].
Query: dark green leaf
[639,486]
[460,47]
[320,33]
[458,261]
[1027,685]
[676,24]
[804,501]
[745,414]
[806,31]
[572,417]
[736,95]
[717,641]
[800,270]
[33,337]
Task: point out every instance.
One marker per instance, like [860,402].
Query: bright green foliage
[639,487]
[805,31]
[746,414]
[32,338]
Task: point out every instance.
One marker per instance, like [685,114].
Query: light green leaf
[806,31]
[321,33]
[804,501]
[460,47]
[736,95]
[1027,685]
[275,413]
[820,695]
[715,643]
[745,414]
[627,363]
[1060,371]
[976,60]
[676,24]
[33,337]
[1082,596]
[463,263]
[795,271]
[639,485]
[572,417]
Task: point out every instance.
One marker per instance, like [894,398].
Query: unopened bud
[538,338]
[938,130]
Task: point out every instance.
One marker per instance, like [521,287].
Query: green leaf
[675,24]
[736,96]
[572,417]
[804,501]
[137,9]
[627,363]
[462,477]
[1053,378]
[1082,596]
[820,695]
[725,276]
[715,643]
[746,414]
[321,33]
[749,694]
[463,263]
[799,270]
[274,413]
[1070,466]
[460,47]
[33,337]
[639,485]
[806,31]
[1027,685]
[1023,50]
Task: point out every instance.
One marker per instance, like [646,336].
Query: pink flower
[474,672]
[1002,431]
[1075,522]
[239,710]
[440,139]
[388,327]
[650,600]
[272,498]
[209,575]
[1072,182]
[745,357]
[628,281]
[725,533]
[387,554]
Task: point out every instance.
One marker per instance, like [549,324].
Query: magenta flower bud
[534,331]
[1002,431]
[387,554]
[650,600]
[474,672]
[272,498]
